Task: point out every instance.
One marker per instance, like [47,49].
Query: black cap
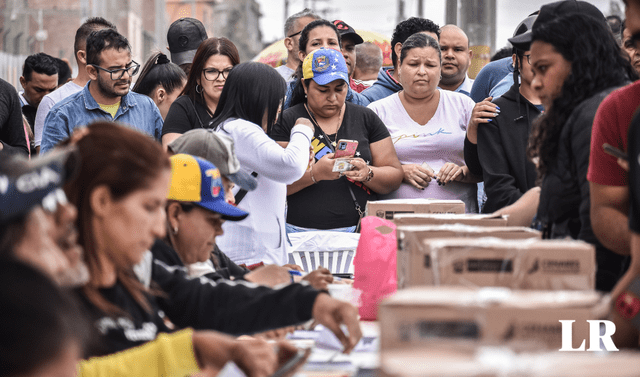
[25,184]
[345,30]
[550,12]
[184,37]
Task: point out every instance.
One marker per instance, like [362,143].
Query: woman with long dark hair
[576,63]
[121,194]
[212,63]
[247,110]
[161,80]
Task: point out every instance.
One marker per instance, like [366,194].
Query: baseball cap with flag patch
[198,181]
[324,66]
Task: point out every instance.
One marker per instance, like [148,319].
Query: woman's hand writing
[319,278]
[417,176]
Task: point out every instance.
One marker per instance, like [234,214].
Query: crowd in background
[139,221]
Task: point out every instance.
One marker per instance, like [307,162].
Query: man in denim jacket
[106,95]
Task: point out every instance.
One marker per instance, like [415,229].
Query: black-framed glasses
[635,38]
[212,74]
[294,34]
[528,58]
[117,74]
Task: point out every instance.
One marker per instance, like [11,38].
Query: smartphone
[346,148]
[615,152]
[295,361]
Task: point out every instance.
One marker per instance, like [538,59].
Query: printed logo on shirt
[440,131]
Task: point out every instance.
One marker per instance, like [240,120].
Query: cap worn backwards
[198,181]
[324,66]
[217,149]
[550,12]
[184,36]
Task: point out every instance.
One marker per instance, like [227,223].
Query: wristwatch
[370,175]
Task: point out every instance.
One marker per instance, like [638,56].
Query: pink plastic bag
[375,264]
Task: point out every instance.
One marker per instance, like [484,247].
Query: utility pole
[451,12]
[400,16]
[286,10]
[421,8]
[478,20]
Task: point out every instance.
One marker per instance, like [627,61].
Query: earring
[175,230]
[198,86]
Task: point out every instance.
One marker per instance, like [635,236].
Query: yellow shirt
[111,109]
[168,355]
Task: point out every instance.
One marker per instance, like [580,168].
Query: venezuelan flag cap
[324,66]
[198,181]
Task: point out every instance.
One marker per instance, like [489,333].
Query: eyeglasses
[528,58]
[212,74]
[117,74]
[294,34]
[635,38]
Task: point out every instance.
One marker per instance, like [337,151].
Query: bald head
[368,61]
[456,56]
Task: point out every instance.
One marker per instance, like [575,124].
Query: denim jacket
[78,110]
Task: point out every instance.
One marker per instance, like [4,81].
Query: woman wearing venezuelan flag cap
[324,199]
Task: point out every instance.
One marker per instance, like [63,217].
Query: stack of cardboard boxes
[467,282]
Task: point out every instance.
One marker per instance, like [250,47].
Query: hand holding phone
[346,148]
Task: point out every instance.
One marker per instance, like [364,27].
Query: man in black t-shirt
[12,136]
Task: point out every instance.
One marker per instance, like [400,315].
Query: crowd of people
[147,224]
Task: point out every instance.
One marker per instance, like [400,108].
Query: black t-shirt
[135,326]
[184,115]
[633,146]
[225,268]
[329,204]
[11,131]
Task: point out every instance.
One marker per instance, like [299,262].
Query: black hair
[158,70]
[304,35]
[91,24]
[297,95]
[39,320]
[502,53]
[101,40]
[251,89]
[64,71]
[419,40]
[407,28]
[39,63]
[597,63]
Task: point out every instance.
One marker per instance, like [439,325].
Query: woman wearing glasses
[211,65]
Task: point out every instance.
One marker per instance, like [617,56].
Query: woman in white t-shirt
[247,109]
[427,127]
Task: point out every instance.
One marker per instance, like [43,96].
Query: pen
[294,273]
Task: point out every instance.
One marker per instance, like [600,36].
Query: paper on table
[231,370]
[327,339]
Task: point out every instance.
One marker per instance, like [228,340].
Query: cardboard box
[412,251]
[388,208]
[516,264]
[441,219]
[437,316]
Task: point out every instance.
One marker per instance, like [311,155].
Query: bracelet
[370,175]
[311,173]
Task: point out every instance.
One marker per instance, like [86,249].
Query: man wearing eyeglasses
[106,95]
[292,29]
